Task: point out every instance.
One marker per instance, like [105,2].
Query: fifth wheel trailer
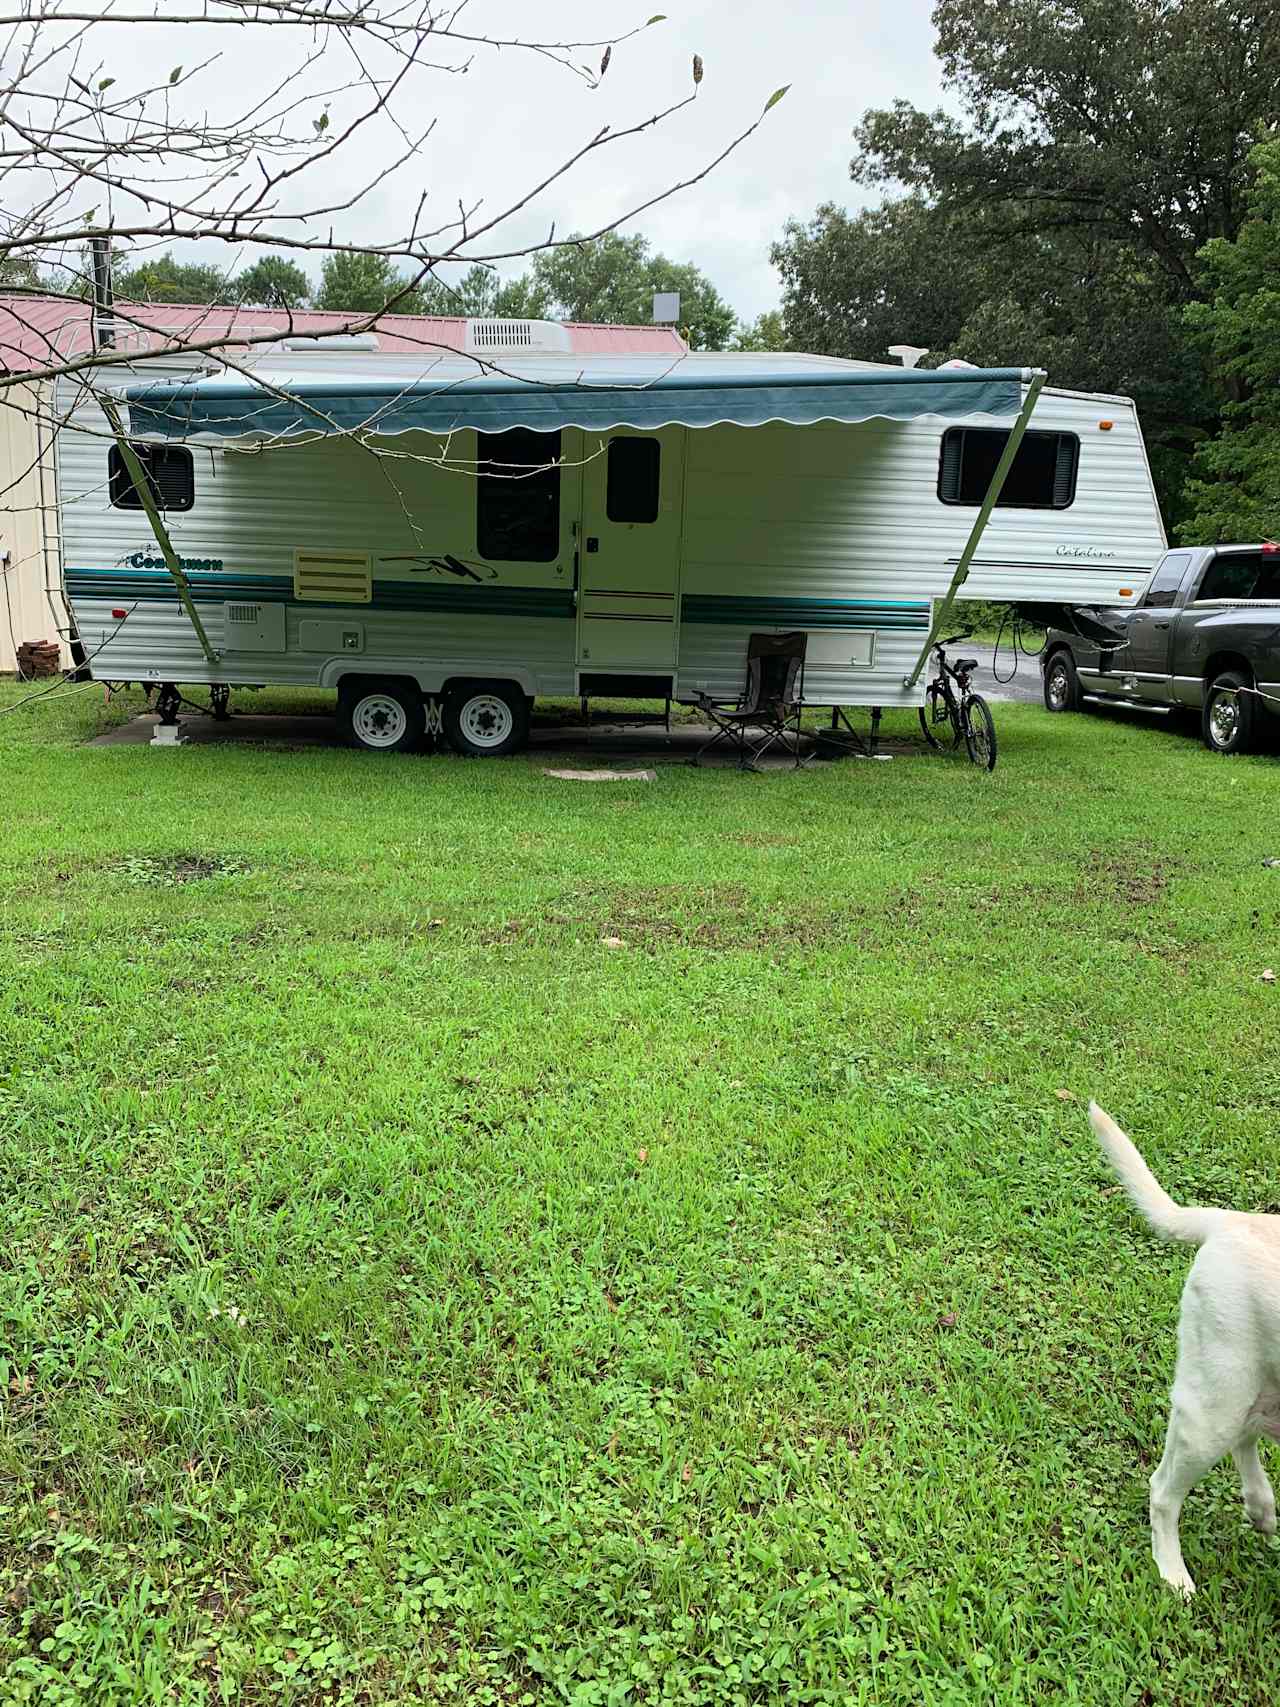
[450,531]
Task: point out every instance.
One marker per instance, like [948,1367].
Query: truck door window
[1240,575]
[1167,579]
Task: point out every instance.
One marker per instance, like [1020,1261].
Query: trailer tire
[1229,721]
[485,720]
[381,716]
[1061,683]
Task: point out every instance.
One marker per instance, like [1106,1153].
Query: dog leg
[1191,1448]
[1259,1496]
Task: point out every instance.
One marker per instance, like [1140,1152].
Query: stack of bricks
[38,658]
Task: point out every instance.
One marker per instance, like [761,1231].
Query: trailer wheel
[1229,721]
[1061,683]
[484,720]
[381,717]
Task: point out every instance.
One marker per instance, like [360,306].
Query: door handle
[593,544]
[1164,624]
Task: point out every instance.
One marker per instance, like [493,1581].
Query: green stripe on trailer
[206,588]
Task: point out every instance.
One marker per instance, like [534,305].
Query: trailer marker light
[1126,592]
[1270,547]
[1105,426]
[119,614]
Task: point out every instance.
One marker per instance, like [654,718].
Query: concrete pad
[207,731]
[603,776]
[619,742]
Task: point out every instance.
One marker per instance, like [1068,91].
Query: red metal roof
[38,331]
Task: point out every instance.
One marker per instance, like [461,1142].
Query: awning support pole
[142,486]
[980,525]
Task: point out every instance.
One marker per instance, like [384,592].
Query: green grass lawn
[406,1296]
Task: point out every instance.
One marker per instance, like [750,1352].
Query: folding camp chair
[767,714]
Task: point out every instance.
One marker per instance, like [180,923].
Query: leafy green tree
[1236,495]
[358,282]
[766,332]
[480,293]
[852,284]
[162,279]
[20,272]
[1128,119]
[273,282]
[612,280]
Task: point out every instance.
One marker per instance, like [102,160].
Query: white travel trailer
[441,539]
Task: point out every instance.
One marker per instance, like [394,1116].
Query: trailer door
[629,551]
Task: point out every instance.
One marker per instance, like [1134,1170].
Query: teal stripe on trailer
[129,586]
[805,613]
[158,584]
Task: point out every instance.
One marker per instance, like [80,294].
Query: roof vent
[334,341]
[516,337]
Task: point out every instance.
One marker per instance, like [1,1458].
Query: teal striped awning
[701,390]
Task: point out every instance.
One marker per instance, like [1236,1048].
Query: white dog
[1226,1388]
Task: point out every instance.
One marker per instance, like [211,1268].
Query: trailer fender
[430,674]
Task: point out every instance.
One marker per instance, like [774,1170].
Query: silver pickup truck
[1204,637]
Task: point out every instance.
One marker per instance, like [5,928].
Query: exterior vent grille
[1064,472]
[949,476]
[514,337]
[503,334]
[242,613]
[333,577]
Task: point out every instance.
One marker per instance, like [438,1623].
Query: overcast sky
[512,117]
[839,58]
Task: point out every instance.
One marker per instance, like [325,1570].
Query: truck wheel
[1061,683]
[1229,722]
[484,720]
[381,716]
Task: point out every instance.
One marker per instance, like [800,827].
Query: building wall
[28,530]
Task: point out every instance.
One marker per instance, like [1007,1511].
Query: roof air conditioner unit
[516,338]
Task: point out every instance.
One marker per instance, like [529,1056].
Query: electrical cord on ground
[1017,641]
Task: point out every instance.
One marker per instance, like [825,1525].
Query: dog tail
[1151,1200]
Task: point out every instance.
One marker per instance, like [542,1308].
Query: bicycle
[967,716]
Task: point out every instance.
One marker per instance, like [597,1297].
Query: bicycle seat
[966,664]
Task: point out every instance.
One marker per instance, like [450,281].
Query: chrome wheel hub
[1057,687]
[1224,719]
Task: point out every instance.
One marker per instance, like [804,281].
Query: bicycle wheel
[941,728]
[979,731]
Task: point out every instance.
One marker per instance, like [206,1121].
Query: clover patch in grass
[167,871]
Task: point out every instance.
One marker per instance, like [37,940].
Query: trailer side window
[518,496]
[1043,476]
[634,477]
[170,472]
